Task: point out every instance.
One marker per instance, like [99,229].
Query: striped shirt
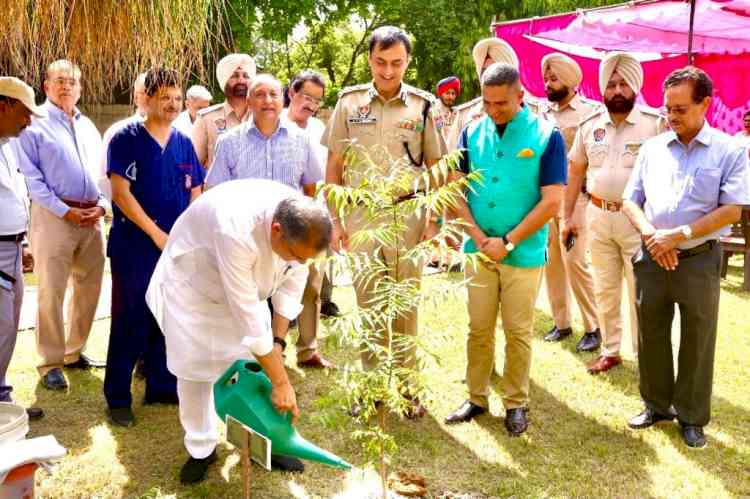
[287,156]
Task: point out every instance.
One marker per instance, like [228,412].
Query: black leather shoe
[330,309]
[693,436]
[54,380]
[162,398]
[121,416]
[34,413]
[194,470]
[516,421]
[648,418]
[468,411]
[556,334]
[589,342]
[85,362]
[286,463]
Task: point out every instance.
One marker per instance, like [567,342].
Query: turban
[447,83]
[626,66]
[230,63]
[497,49]
[567,70]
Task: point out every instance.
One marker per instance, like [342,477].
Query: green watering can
[244,392]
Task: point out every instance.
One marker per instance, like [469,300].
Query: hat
[447,83]
[16,89]
[626,66]
[230,63]
[566,68]
[497,49]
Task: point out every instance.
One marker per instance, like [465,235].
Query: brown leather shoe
[316,362]
[603,364]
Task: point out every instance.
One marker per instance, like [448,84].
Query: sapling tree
[380,198]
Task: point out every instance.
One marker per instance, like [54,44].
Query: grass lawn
[578,444]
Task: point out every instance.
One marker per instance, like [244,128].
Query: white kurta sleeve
[235,260]
[287,300]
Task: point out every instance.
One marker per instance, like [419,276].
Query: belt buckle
[611,206]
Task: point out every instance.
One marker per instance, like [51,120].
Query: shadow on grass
[568,448]
[81,405]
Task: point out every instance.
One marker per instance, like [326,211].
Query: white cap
[16,89]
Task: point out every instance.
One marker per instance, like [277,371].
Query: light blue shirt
[287,156]
[60,159]
[677,184]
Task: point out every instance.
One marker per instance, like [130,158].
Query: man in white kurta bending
[233,248]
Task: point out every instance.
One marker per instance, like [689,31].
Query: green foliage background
[330,36]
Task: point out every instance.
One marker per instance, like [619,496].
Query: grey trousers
[694,287]
[10,309]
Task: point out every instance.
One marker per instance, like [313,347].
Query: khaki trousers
[64,252]
[512,291]
[569,270]
[398,267]
[309,318]
[614,241]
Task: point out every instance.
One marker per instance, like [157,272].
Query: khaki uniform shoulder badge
[466,105]
[420,93]
[593,114]
[651,112]
[353,88]
[210,109]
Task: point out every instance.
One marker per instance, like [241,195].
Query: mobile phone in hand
[570,241]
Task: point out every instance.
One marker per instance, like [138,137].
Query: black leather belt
[13,238]
[697,250]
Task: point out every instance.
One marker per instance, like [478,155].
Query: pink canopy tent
[657,33]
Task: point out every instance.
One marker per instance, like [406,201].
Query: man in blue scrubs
[155,174]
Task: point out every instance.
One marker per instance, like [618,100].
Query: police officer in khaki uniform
[387,118]
[447,91]
[485,53]
[234,74]
[567,268]
[604,150]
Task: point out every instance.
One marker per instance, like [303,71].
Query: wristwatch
[509,246]
[686,231]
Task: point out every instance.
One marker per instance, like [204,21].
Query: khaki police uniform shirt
[363,119]
[444,117]
[609,152]
[567,119]
[209,124]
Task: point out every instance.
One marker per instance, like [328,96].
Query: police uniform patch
[411,125]
[632,147]
[221,124]
[599,134]
[362,116]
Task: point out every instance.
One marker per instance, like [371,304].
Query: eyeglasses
[312,100]
[60,81]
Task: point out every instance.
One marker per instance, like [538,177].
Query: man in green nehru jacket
[522,161]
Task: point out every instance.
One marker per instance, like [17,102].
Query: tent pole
[690,34]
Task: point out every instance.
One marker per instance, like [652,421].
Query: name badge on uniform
[411,125]
[633,147]
[599,134]
[362,116]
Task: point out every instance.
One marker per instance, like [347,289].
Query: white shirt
[102,180]
[209,290]
[13,196]
[183,123]
[314,129]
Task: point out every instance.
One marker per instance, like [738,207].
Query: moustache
[239,90]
